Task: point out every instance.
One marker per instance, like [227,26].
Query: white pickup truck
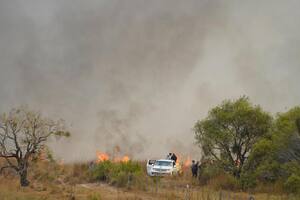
[162,167]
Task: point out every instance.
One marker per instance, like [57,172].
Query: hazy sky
[140,73]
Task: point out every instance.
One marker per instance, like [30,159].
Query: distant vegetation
[249,147]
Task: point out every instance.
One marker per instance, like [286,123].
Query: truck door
[150,164]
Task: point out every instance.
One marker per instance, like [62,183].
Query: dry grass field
[9,190]
[50,181]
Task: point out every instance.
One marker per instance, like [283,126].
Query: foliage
[275,157]
[292,184]
[288,122]
[225,182]
[229,132]
[248,180]
[244,140]
[208,171]
[102,171]
[213,175]
[117,173]
[23,134]
[292,167]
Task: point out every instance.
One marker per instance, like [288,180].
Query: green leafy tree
[23,134]
[274,157]
[286,138]
[229,132]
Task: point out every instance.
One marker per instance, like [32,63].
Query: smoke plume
[138,74]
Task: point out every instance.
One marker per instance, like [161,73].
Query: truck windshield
[163,163]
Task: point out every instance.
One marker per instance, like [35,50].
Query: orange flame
[102,157]
[187,162]
[125,159]
[183,161]
[178,161]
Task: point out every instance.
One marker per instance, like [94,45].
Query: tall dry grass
[50,180]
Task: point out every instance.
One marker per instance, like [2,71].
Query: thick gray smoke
[139,73]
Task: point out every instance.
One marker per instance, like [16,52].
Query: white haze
[140,73]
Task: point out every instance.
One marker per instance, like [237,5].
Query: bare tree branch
[22,134]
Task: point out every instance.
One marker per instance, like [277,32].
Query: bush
[269,172]
[292,167]
[102,171]
[121,179]
[293,184]
[120,174]
[208,172]
[248,181]
[224,182]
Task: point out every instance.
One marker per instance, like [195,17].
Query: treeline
[250,148]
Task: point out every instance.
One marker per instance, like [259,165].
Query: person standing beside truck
[194,168]
[172,156]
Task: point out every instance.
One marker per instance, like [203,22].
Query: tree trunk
[23,178]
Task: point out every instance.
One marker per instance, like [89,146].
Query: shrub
[269,172]
[224,182]
[248,180]
[292,167]
[208,172]
[121,179]
[102,171]
[120,174]
[293,184]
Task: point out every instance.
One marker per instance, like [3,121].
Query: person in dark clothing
[194,168]
[174,157]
